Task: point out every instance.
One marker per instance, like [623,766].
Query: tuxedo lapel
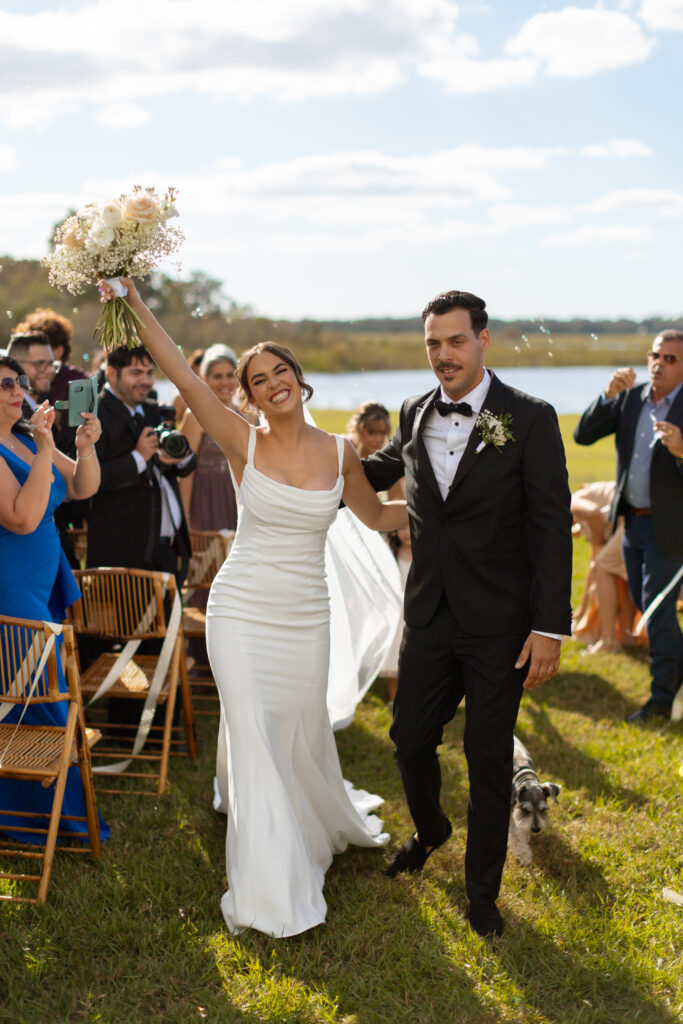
[424,463]
[117,409]
[494,403]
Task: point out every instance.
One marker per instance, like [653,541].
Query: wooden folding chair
[209,550]
[129,605]
[29,656]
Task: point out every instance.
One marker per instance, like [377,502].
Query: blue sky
[349,158]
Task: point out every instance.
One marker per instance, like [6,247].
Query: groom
[488,595]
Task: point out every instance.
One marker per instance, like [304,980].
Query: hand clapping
[41,421]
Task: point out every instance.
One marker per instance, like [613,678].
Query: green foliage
[196,314]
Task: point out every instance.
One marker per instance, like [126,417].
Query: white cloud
[600,234]
[577,42]
[8,158]
[617,149]
[107,54]
[662,15]
[121,115]
[664,202]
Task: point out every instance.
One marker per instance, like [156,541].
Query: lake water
[570,389]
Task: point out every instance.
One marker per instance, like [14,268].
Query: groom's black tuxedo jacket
[500,545]
[124,520]
[620,416]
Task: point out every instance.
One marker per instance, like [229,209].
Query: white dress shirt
[446,438]
[171,515]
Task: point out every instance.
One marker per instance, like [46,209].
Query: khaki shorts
[610,557]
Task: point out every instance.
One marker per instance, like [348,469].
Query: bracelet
[82,458]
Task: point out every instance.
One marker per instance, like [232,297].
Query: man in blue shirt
[647,421]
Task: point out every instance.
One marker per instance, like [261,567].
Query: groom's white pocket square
[480,447]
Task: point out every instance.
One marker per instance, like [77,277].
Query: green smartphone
[82,398]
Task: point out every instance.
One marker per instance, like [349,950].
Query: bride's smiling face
[273,384]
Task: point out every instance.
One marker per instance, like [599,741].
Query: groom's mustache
[448,366]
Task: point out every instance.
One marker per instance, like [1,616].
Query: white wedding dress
[277,771]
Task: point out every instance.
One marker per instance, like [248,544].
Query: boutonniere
[494,430]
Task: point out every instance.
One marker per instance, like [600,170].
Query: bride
[277,769]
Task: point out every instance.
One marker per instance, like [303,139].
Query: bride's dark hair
[282,352]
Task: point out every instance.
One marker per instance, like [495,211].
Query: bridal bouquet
[120,238]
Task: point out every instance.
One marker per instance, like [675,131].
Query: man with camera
[136,519]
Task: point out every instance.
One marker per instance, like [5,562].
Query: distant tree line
[197,313]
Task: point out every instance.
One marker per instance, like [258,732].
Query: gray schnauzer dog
[529,803]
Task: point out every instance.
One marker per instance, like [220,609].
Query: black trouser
[437,668]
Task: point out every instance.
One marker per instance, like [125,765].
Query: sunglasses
[9,383]
[667,357]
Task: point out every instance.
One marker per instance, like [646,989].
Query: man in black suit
[647,421]
[488,595]
[136,518]
[33,351]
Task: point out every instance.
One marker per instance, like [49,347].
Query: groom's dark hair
[447,301]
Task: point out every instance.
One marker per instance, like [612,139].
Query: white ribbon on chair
[152,699]
[200,562]
[28,665]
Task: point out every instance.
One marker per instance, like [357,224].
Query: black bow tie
[446,408]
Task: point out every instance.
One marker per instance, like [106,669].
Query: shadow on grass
[586,693]
[554,755]
[567,980]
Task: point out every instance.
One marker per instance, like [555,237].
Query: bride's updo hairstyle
[283,353]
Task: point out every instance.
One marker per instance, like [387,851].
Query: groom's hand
[543,655]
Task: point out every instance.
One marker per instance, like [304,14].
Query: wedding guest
[59,331]
[208,493]
[33,351]
[136,518]
[369,428]
[604,618]
[488,594]
[646,420]
[35,579]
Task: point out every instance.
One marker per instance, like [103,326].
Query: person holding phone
[647,421]
[35,579]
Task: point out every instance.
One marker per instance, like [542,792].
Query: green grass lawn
[139,937]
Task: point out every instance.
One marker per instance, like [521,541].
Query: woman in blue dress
[35,579]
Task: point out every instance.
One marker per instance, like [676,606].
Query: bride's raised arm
[229,430]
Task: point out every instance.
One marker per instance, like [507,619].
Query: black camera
[171,440]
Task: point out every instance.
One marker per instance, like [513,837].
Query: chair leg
[57,800]
[88,787]
[166,741]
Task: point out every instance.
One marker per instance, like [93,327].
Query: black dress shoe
[485,919]
[413,855]
[649,710]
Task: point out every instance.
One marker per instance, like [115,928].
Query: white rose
[142,208]
[100,234]
[111,214]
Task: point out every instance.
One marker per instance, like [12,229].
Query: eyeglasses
[667,357]
[42,364]
[9,383]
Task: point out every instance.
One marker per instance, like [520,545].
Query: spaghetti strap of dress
[340,452]
[251,445]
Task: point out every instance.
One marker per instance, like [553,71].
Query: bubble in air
[197,312]
[517,348]
[10,314]
[551,355]
[74,309]
[594,337]
[86,357]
